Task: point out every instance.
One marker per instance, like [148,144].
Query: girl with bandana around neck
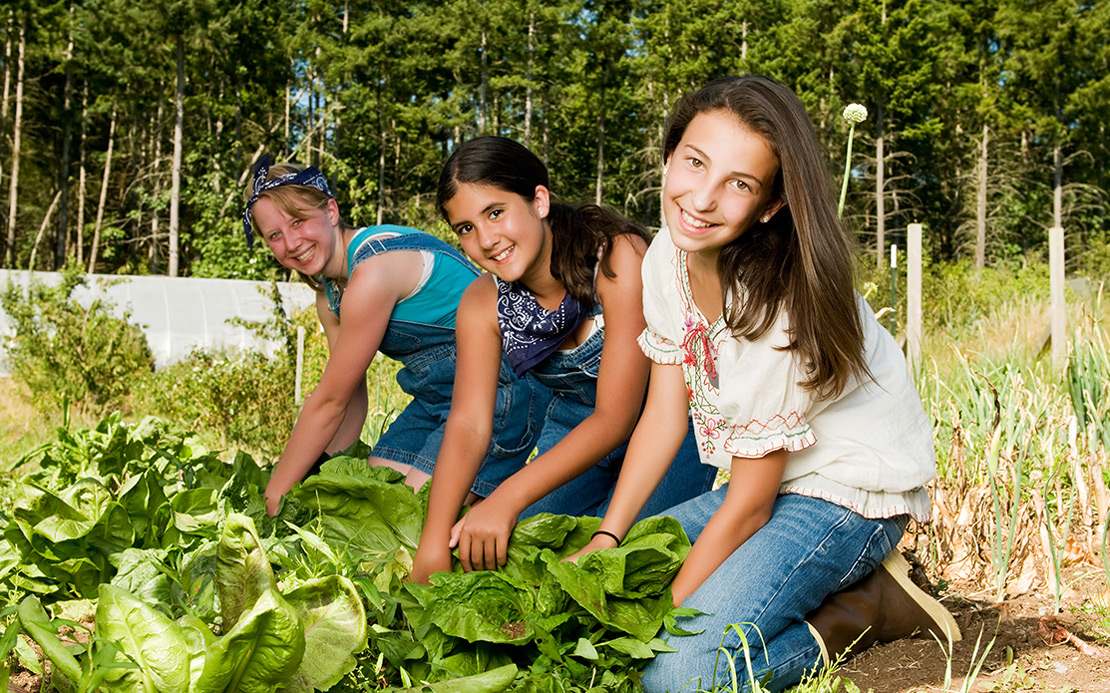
[754,329]
[562,299]
[381,288]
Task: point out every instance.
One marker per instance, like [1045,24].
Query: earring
[765,218]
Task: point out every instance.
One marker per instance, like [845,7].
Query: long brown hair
[577,232]
[297,201]
[799,261]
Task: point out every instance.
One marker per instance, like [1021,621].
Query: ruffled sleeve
[661,340]
[762,404]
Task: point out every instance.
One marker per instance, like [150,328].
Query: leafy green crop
[196,589]
[301,641]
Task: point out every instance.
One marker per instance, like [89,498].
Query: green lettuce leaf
[243,571]
[492,681]
[334,631]
[148,637]
[260,654]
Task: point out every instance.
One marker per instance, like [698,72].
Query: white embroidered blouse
[870,449]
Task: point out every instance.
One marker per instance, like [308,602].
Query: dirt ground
[1029,648]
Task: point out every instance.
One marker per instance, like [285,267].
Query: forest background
[127,130]
[127,127]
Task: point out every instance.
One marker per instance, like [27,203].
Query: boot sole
[896,565]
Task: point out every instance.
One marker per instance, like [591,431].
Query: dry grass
[1021,494]
[22,427]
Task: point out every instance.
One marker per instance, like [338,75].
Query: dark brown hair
[296,201]
[577,232]
[799,261]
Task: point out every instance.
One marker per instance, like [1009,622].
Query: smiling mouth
[305,256]
[693,221]
[503,255]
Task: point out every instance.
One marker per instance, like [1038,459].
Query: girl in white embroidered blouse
[562,300]
[754,330]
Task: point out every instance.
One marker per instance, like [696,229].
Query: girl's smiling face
[501,231]
[718,184]
[307,245]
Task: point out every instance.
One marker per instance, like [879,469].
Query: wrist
[606,537]
[509,497]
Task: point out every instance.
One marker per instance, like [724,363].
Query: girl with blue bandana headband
[562,299]
[387,289]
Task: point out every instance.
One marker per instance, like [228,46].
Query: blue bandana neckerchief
[529,332]
[310,177]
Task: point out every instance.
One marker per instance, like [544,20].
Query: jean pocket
[877,548]
[517,419]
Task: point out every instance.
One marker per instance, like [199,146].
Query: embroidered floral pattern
[697,346]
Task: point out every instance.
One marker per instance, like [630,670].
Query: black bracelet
[608,534]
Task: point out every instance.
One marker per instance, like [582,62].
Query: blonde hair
[298,201]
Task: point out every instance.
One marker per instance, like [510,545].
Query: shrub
[244,397]
[66,352]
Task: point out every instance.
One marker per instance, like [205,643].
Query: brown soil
[1030,649]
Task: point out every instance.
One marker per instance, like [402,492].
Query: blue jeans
[428,354]
[590,493]
[809,549]
[571,376]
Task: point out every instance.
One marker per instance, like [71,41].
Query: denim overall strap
[403,241]
[404,238]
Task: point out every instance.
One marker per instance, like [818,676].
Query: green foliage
[162,537]
[245,397]
[67,352]
[302,641]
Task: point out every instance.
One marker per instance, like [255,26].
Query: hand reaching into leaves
[482,535]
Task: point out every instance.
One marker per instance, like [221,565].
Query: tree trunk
[546,131]
[483,89]
[61,240]
[103,193]
[382,143]
[981,204]
[600,156]
[42,229]
[17,125]
[156,188]
[7,64]
[178,138]
[528,79]
[81,179]
[880,206]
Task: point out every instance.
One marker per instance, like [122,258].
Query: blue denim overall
[571,375]
[427,353]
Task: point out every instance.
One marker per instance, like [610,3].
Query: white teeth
[502,255]
[304,257]
[694,222]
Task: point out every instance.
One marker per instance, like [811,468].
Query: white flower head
[855,113]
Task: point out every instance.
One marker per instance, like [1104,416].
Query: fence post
[1056,290]
[300,364]
[913,296]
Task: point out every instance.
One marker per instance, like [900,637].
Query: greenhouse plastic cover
[176,314]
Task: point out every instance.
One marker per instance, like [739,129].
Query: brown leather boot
[883,607]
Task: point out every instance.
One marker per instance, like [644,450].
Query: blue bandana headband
[310,177]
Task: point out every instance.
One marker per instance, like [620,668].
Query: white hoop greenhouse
[175,314]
